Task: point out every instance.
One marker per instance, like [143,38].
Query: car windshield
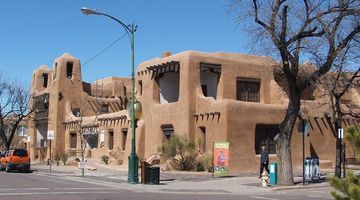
[20,153]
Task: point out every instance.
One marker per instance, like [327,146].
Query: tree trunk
[338,121]
[283,142]
[283,147]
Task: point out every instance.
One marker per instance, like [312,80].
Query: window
[124,136]
[69,70]
[140,87]
[203,139]
[204,90]
[168,130]
[21,131]
[104,108]
[264,136]
[169,87]
[73,140]
[45,80]
[76,112]
[111,140]
[248,90]
[209,78]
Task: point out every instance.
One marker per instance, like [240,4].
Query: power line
[102,51]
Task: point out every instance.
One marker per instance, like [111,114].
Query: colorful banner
[221,158]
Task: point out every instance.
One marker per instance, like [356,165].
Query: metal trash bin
[152,175]
[273,173]
[312,168]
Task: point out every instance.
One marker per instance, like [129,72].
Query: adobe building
[219,97]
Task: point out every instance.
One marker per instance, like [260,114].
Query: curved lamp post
[133,177]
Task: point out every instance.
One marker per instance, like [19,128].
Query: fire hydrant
[265,179]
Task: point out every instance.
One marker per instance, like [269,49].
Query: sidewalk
[173,182]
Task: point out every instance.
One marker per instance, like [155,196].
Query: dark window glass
[69,70]
[203,140]
[45,80]
[111,140]
[248,90]
[264,136]
[73,140]
[204,89]
[124,131]
[20,153]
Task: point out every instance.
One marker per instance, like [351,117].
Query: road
[41,186]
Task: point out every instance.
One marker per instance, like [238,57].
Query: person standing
[264,160]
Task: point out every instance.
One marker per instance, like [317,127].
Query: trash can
[152,175]
[144,164]
[308,167]
[312,168]
[273,173]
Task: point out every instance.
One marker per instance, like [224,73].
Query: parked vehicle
[16,159]
[2,157]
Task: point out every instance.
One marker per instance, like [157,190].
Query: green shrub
[105,159]
[64,157]
[349,186]
[182,150]
[204,162]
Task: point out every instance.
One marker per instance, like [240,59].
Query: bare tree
[14,102]
[337,84]
[81,120]
[298,30]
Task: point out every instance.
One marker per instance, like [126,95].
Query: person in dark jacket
[264,160]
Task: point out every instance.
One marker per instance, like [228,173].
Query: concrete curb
[295,187]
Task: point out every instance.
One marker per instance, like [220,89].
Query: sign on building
[50,135]
[102,138]
[221,158]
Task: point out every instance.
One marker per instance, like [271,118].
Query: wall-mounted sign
[221,158]
[50,135]
[91,131]
[28,138]
[102,138]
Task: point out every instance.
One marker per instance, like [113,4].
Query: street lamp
[133,177]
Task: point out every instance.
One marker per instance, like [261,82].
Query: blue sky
[34,33]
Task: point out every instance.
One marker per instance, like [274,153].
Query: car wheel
[7,168]
[27,170]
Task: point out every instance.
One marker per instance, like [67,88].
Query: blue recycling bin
[273,173]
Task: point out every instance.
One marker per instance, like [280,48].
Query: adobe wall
[225,119]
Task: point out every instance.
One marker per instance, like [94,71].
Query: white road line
[26,189]
[54,193]
[259,197]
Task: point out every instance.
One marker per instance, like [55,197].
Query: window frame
[249,82]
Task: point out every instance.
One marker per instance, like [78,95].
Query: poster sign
[82,165]
[102,138]
[50,135]
[28,138]
[221,158]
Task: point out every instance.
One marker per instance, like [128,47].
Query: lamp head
[88,11]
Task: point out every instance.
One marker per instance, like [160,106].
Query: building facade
[218,97]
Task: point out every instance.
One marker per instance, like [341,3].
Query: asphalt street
[42,185]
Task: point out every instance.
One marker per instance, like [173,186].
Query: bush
[105,159]
[64,157]
[349,186]
[204,162]
[181,150]
[118,155]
